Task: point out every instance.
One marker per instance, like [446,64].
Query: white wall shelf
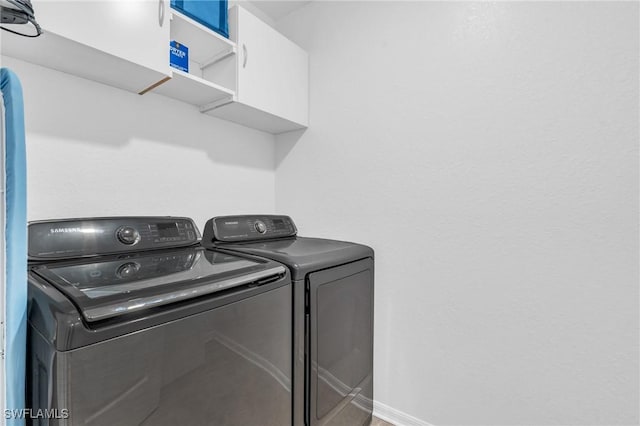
[192,89]
[199,86]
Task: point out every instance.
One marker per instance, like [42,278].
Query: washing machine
[132,322]
[332,296]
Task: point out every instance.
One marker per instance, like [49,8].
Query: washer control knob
[128,235]
[260,227]
[127,270]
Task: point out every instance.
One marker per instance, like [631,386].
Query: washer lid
[125,284]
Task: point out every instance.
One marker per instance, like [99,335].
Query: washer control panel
[248,228]
[67,238]
[128,235]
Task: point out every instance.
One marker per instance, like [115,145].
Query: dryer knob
[127,235]
[260,227]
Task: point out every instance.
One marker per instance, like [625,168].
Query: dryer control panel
[247,228]
[70,238]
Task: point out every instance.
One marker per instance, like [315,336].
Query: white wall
[94,150]
[489,153]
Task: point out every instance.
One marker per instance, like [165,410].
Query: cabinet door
[134,30]
[273,72]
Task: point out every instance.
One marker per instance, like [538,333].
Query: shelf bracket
[217,58]
[153,86]
[225,100]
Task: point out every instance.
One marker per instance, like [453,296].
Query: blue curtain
[15,235]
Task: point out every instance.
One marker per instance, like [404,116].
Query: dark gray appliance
[332,313]
[131,322]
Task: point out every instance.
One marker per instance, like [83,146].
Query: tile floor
[379,422]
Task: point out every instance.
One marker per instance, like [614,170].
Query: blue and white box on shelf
[210,13]
[179,56]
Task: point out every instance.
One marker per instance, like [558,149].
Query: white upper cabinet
[135,30]
[123,43]
[273,72]
[257,78]
[272,78]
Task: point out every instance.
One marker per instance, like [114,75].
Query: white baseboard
[396,417]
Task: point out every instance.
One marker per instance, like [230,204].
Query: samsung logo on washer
[231,223]
[75,230]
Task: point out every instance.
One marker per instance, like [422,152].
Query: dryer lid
[304,255]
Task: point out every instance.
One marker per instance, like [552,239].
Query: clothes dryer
[333,294]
